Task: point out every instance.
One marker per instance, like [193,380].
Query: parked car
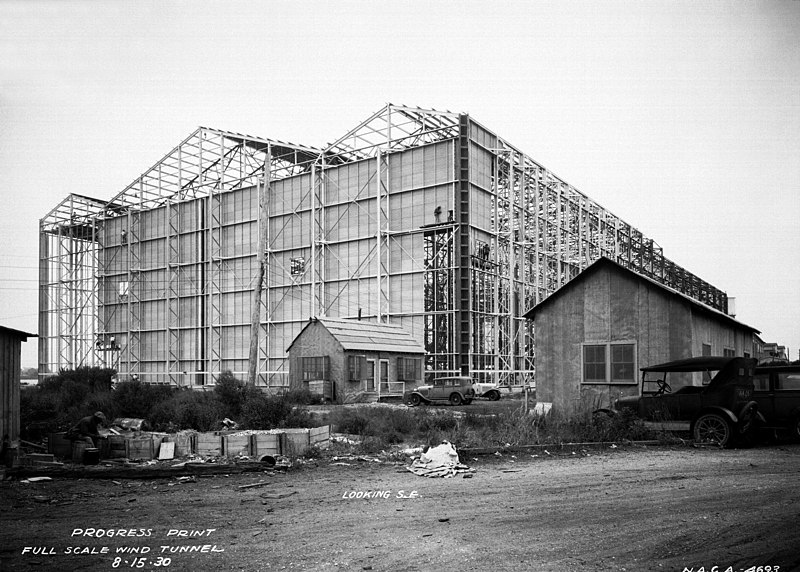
[452,390]
[777,392]
[713,395]
[490,391]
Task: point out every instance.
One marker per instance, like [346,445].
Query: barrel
[91,456]
[78,449]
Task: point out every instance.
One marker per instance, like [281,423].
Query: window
[408,369]
[761,382]
[356,368]
[788,382]
[314,368]
[297,266]
[622,370]
[728,352]
[594,364]
[706,349]
[609,363]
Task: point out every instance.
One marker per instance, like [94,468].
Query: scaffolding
[416,217]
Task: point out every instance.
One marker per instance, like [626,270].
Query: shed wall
[10,367]
[611,306]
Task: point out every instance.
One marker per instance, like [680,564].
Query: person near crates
[86,429]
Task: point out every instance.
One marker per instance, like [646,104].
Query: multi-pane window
[356,368]
[314,368]
[622,365]
[609,363]
[408,369]
[706,351]
[594,364]
[729,352]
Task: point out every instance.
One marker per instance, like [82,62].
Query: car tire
[413,400]
[455,399]
[494,395]
[713,428]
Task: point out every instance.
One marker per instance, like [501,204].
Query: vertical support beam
[464,268]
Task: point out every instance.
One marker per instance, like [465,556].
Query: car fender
[422,397]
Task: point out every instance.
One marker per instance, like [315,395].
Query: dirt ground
[630,508]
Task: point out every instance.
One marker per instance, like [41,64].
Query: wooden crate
[117,449]
[320,436]
[321,388]
[184,443]
[297,441]
[208,444]
[143,448]
[235,445]
[269,444]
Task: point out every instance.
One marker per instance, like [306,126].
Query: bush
[136,399]
[196,410]
[231,393]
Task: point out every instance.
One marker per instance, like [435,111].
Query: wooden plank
[99,472]
[167,451]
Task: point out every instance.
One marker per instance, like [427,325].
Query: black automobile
[453,390]
[777,392]
[710,396]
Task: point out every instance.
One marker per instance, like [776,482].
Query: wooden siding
[615,306]
[10,355]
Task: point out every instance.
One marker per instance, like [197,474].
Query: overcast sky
[682,118]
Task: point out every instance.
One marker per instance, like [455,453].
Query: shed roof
[16,333]
[604,262]
[355,335]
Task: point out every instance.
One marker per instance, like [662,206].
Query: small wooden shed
[595,333]
[10,367]
[338,358]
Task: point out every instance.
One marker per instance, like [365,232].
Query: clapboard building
[595,333]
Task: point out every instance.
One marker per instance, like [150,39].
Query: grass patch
[380,428]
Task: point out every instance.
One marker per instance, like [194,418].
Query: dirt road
[629,509]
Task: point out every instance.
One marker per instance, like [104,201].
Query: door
[384,364]
[370,381]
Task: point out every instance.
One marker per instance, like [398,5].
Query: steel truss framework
[512,234]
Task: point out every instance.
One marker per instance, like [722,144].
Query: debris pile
[439,461]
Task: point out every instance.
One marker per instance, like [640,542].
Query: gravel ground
[630,508]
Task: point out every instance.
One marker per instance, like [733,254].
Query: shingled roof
[355,335]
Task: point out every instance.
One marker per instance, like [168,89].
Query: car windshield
[652,381]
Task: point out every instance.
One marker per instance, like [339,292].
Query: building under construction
[419,218]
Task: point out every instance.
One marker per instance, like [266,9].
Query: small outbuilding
[339,359]
[595,333]
[10,368]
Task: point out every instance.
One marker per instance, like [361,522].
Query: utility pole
[263,220]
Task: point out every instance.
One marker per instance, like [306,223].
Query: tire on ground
[713,428]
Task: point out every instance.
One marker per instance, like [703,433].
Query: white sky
[682,118]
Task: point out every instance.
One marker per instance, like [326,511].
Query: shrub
[231,393]
[136,399]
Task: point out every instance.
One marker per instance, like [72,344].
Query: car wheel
[494,395]
[455,399]
[414,400]
[712,428]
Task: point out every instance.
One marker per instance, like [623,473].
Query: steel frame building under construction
[415,217]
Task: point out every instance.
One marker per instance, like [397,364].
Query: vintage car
[452,390]
[712,397]
[777,392]
[490,391]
